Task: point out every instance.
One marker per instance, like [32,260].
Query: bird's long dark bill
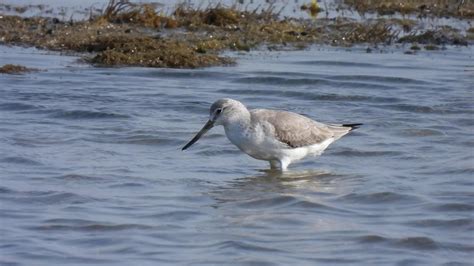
[203,131]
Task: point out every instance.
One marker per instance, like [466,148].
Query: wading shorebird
[278,137]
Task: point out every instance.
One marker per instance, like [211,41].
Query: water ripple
[270,80]
[273,202]
[17,106]
[176,215]
[415,242]
[135,139]
[181,74]
[453,207]
[361,153]
[369,239]
[420,132]
[313,96]
[78,177]
[91,227]
[460,224]
[382,79]
[19,160]
[336,63]
[423,109]
[84,114]
[287,202]
[379,198]
[418,243]
[241,245]
[48,197]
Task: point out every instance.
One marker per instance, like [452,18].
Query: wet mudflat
[92,171]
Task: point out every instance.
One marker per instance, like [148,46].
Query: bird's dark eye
[218,111]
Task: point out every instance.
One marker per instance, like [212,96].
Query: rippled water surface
[92,172]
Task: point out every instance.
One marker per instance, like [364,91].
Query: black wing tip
[352,126]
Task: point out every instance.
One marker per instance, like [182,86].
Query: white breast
[253,141]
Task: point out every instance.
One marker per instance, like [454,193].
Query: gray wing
[296,130]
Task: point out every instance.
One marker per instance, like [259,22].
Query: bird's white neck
[237,125]
[240,117]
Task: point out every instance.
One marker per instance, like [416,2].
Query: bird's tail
[341,130]
[352,126]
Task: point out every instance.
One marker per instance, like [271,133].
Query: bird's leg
[274,165]
[284,162]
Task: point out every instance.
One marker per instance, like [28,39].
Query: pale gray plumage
[279,137]
[296,130]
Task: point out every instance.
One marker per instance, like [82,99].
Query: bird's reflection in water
[272,199]
[275,184]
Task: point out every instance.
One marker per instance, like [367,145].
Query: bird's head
[221,112]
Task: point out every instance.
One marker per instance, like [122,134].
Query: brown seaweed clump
[229,28]
[443,36]
[470,33]
[150,52]
[348,32]
[110,44]
[16,69]
[122,11]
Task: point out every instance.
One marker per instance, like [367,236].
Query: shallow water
[92,172]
